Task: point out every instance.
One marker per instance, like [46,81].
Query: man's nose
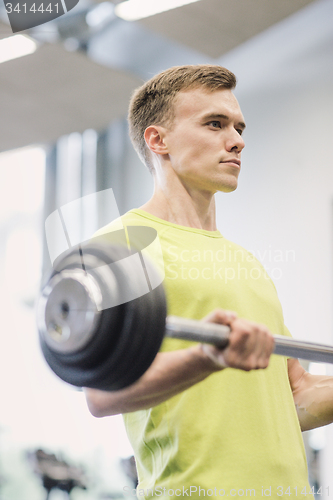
[235,142]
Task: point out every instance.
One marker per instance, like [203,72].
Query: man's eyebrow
[212,116]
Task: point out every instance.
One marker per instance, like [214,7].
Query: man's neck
[177,205]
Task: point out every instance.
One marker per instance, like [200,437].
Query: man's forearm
[249,348]
[313,396]
[170,374]
[314,404]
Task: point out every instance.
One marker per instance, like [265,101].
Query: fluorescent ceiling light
[132,10]
[16,46]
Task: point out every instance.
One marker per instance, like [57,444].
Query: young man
[204,421]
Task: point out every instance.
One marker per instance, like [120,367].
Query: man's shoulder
[130,218]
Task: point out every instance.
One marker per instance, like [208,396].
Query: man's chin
[229,188]
[226,183]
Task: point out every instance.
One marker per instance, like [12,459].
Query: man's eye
[239,130]
[215,124]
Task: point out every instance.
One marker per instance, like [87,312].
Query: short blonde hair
[153,102]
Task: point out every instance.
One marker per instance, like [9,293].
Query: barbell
[102,315]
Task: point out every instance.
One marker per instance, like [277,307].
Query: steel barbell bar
[212,333]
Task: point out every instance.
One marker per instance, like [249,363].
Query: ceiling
[217,26]
[54,92]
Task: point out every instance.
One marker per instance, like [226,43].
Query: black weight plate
[126,339]
[107,333]
[76,374]
[138,346]
[142,335]
[146,341]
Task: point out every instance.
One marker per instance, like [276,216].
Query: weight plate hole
[64,307]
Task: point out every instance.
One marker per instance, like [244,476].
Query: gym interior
[64,136]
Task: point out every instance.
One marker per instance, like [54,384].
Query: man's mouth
[232,161]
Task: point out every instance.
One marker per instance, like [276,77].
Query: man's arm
[250,347]
[313,396]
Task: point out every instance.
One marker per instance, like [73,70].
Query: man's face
[204,142]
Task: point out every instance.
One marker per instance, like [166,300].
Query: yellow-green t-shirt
[236,433]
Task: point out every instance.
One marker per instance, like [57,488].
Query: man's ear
[154,137]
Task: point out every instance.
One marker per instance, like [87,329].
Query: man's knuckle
[251,362]
[262,363]
[245,333]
